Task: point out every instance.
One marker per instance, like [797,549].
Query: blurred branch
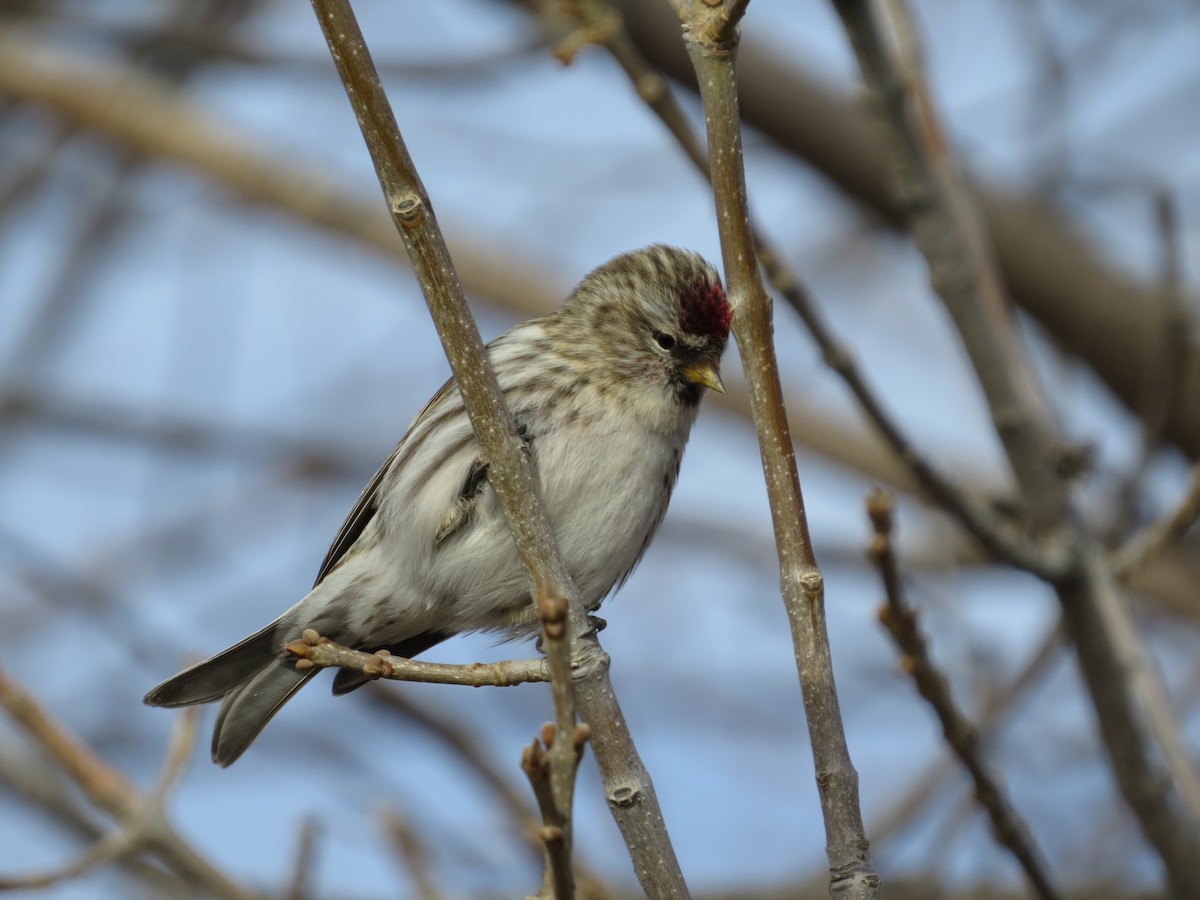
[942,222]
[464,744]
[316,651]
[411,850]
[149,118]
[139,816]
[1170,335]
[300,884]
[711,36]
[1147,544]
[963,738]
[36,780]
[134,110]
[1148,754]
[995,709]
[97,216]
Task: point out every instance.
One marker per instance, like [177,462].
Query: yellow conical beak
[704,373]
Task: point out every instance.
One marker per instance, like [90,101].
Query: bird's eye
[664,340]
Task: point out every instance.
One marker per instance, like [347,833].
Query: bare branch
[900,620]
[314,650]
[711,35]
[138,815]
[414,854]
[1147,544]
[558,879]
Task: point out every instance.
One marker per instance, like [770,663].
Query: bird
[604,391]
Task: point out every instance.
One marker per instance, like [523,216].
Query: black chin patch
[689,394]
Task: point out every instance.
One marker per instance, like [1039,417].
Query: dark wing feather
[367,504]
[360,514]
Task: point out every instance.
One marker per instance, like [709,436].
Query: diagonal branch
[138,814]
[1144,546]
[963,738]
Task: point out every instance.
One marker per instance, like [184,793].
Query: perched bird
[604,390]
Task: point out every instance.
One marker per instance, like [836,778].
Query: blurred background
[209,339]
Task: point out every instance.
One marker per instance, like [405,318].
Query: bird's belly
[605,493]
[606,496]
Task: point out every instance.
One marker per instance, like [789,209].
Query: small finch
[605,392]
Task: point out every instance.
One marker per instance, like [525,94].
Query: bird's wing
[368,501]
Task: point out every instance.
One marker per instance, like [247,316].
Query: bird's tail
[253,681]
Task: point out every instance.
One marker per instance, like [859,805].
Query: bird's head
[660,320]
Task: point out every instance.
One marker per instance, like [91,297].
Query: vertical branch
[569,641]
[711,35]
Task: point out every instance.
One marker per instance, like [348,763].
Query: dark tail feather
[347,680]
[251,677]
[248,708]
[218,675]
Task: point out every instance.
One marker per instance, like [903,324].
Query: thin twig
[558,877]
[314,650]
[963,738]
[711,35]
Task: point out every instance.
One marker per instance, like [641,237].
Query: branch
[941,220]
[558,879]
[411,850]
[141,822]
[711,35]
[300,884]
[316,651]
[961,735]
[1144,546]
[573,650]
